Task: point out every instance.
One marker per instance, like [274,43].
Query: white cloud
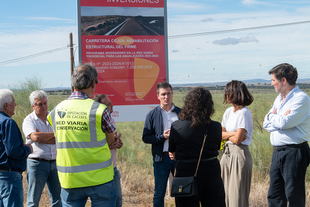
[304,10]
[272,46]
[49,19]
[250,2]
[296,2]
[234,41]
[192,59]
[208,19]
[186,6]
[53,67]
[32,41]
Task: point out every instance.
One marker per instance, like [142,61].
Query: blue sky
[31,27]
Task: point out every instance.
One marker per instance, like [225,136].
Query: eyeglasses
[40,104]
[96,81]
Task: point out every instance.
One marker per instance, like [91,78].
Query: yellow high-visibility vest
[83,156]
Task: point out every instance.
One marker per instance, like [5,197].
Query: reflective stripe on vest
[82,168]
[77,128]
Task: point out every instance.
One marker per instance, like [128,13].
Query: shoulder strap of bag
[203,144]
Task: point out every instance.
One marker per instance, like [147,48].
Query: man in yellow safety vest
[84,163]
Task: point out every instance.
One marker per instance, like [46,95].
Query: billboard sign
[126,40]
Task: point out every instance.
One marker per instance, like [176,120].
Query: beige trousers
[236,172]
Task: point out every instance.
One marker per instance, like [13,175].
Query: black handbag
[187,186]
[184,187]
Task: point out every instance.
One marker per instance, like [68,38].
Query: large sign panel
[126,40]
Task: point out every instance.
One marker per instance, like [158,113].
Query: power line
[32,56]
[236,30]
[170,37]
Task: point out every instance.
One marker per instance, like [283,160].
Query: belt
[40,159]
[288,146]
[196,160]
[4,169]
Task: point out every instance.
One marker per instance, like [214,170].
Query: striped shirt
[106,123]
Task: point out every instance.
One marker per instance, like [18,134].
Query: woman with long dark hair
[236,162]
[185,142]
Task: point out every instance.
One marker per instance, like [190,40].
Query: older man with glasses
[41,164]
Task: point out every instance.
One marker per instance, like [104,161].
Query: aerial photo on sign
[149,21]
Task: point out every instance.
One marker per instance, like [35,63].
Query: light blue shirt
[294,127]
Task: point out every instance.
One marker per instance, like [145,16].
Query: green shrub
[21,91]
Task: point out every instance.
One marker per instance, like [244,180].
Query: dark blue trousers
[162,170]
[287,176]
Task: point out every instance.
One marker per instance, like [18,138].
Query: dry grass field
[135,159]
[139,197]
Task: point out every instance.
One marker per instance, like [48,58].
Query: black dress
[186,142]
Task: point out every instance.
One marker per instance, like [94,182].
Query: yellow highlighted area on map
[145,75]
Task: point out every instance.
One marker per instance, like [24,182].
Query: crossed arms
[293,115]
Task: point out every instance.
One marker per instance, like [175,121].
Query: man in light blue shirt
[288,122]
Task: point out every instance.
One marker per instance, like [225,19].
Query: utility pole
[71,56]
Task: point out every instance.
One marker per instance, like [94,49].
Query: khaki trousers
[236,172]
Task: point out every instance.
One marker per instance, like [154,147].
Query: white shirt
[168,118]
[43,151]
[294,127]
[241,119]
